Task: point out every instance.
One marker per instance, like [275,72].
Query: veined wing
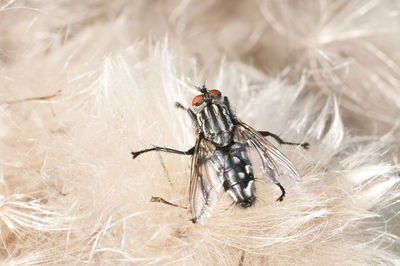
[205,184]
[275,165]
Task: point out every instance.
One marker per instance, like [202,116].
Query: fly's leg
[163,149]
[161,200]
[180,106]
[282,190]
[190,112]
[188,152]
[276,182]
[305,145]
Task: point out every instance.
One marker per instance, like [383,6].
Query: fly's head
[206,97]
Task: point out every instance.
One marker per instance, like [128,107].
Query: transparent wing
[205,184]
[276,166]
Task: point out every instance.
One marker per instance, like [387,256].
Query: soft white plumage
[326,73]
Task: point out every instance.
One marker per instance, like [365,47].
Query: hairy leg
[163,149]
[161,200]
[282,190]
[305,145]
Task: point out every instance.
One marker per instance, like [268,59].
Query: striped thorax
[214,117]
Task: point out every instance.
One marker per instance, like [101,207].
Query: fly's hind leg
[305,145]
[282,190]
[276,182]
[161,200]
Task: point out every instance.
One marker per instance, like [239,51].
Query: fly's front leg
[163,149]
[305,145]
[180,106]
[190,112]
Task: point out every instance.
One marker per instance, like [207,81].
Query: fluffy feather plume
[84,84]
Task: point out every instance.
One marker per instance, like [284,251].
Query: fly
[220,157]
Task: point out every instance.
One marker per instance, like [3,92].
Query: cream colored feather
[83,84]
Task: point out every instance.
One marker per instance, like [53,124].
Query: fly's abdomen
[236,173]
[216,123]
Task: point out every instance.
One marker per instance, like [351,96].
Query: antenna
[202,89]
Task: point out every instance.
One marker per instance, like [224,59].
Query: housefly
[220,156]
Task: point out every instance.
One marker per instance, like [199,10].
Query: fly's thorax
[216,122]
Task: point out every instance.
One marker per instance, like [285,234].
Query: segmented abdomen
[236,173]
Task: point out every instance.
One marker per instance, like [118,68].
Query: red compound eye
[215,92]
[197,99]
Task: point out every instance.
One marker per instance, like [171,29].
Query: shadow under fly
[220,156]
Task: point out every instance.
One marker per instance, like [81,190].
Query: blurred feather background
[326,72]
